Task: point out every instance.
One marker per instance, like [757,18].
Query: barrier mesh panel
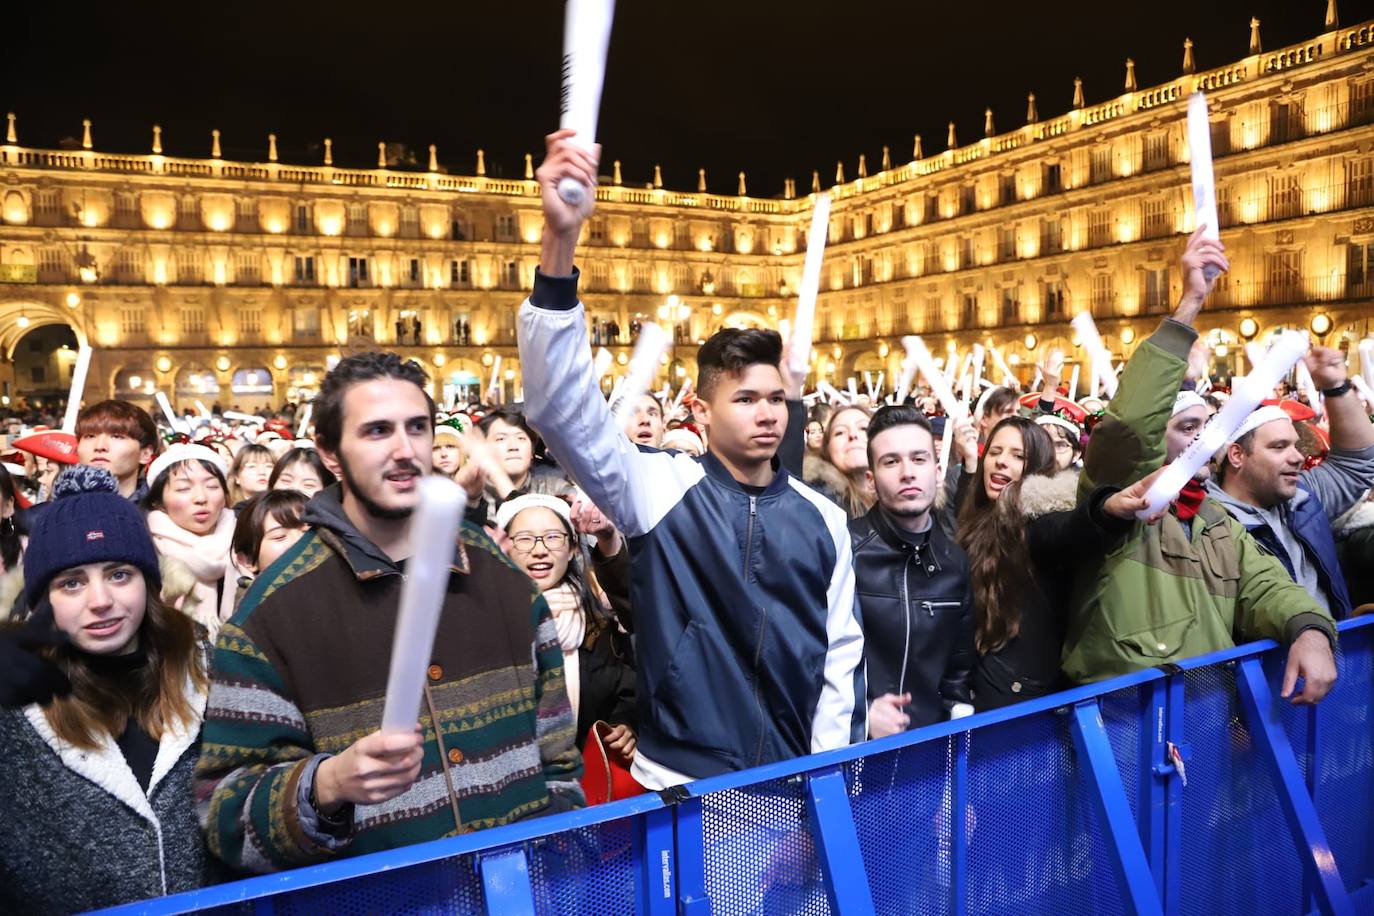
[589,870]
[759,853]
[1345,754]
[1035,842]
[1237,851]
[444,886]
[1121,716]
[901,802]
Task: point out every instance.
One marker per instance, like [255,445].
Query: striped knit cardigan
[300,672]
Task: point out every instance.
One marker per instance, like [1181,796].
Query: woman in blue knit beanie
[104,689]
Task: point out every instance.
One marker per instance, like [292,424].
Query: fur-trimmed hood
[1361,515]
[1041,495]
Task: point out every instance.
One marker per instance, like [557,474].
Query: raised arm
[1348,471]
[562,399]
[1129,443]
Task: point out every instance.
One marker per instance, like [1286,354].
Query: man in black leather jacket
[912,581]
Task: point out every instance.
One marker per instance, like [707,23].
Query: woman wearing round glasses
[598,663]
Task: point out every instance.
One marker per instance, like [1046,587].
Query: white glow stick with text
[302,426]
[1246,395]
[649,350]
[803,323]
[586,36]
[74,394]
[434,535]
[1204,182]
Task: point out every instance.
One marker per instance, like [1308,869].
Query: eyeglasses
[554,540]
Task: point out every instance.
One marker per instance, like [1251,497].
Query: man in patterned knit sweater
[293,768]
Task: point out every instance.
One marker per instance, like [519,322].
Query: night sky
[776,89]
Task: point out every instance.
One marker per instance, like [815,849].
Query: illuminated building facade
[239,283]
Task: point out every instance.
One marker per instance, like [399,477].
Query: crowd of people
[198,634]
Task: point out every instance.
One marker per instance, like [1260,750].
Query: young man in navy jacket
[746,625]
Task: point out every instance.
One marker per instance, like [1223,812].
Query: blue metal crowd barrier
[1194,789]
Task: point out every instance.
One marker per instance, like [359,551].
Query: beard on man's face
[369,505]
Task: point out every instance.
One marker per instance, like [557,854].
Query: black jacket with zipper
[917,614]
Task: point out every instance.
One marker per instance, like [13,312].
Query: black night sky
[776,89]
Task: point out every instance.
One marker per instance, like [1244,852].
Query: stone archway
[19,317]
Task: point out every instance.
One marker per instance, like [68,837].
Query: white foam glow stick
[1101,360]
[1254,353]
[602,364]
[1073,383]
[243,417]
[495,381]
[586,36]
[1309,388]
[983,400]
[878,386]
[830,392]
[1009,378]
[1364,391]
[799,345]
[853,387]
[172,419]
[434,534]
[920,357]
[1246,395]
[868,384]
[946,448]
[302,426]
[79,372]
[649,350]
[966,377]
[204,411]
[979,357]
[905,379]
[615,391]
[1204,183]
[1366,349]
[681,394]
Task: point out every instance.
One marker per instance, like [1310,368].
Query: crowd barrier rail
[1188,789]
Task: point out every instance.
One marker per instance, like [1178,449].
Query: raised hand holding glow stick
[799,343]
[1101,359]
[921,359]
[79,373]
[1246,395]
[434,535]
[172,419]
[586,36]
[1204,182]
[649,350]
[1309,388]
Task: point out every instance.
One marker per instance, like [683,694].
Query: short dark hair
[353,370]
[731,350]
[510,418]
[999,399]
[286,506]
[121,418]
[301,456]
[892,415]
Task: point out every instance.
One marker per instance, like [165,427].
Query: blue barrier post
[691,858]
[1109,799]
[1154,779]
[654,864]
[842,864]
[1312,847]
[505,877]
[1173,789]
[958,827]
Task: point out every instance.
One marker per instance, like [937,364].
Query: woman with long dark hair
[1025,533]
[103,690]
[303,470]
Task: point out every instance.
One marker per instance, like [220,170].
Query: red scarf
[1189,500]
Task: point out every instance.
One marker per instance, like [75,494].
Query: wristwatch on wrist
[1339,390]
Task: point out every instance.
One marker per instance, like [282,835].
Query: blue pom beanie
[87,521]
